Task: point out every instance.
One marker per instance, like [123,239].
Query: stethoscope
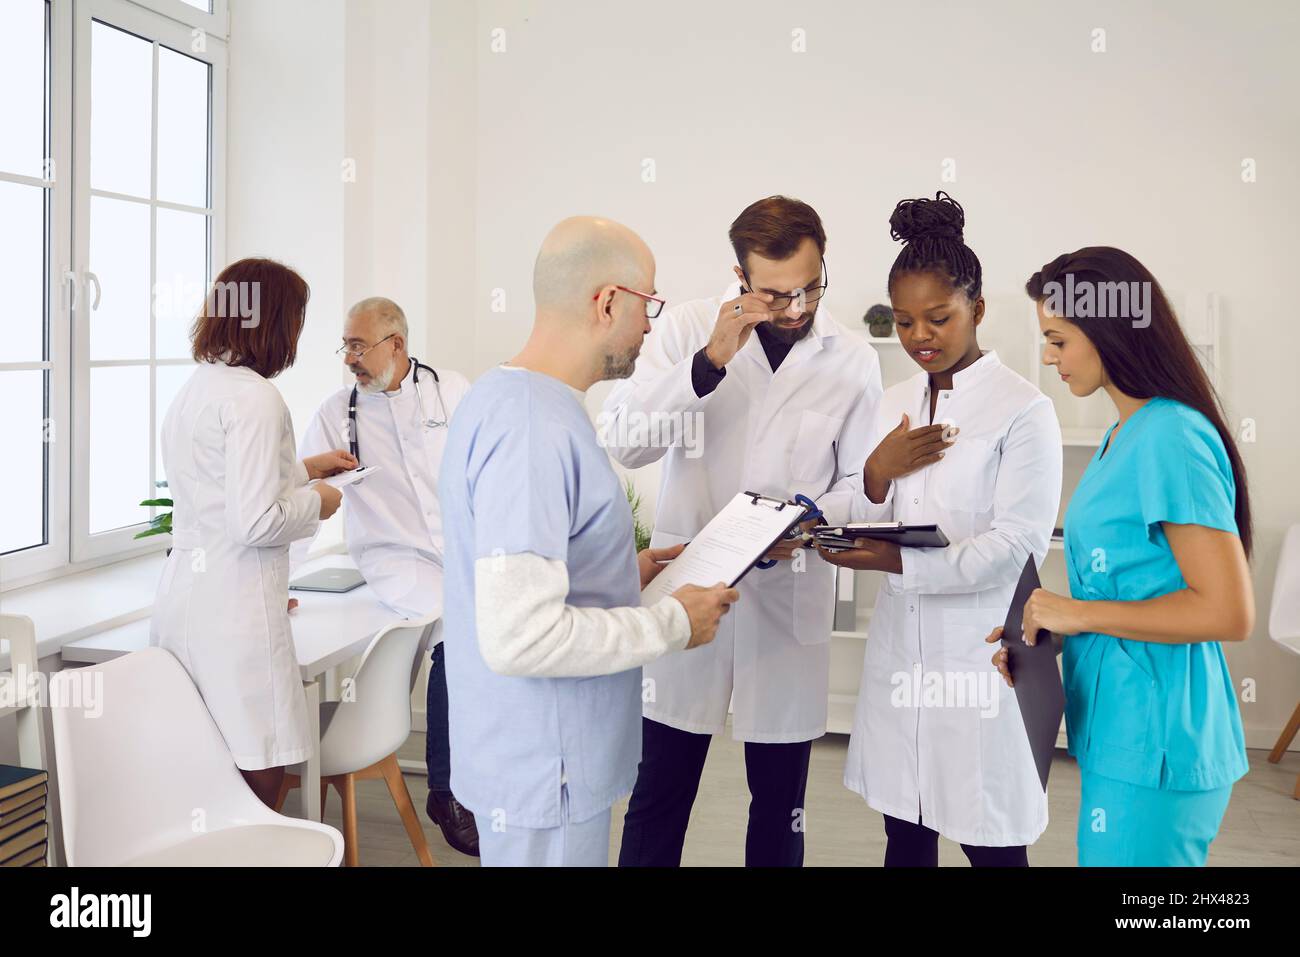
[428,422]
[810,511]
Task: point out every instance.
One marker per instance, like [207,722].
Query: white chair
[360,735]
[1284,628]
[149,781]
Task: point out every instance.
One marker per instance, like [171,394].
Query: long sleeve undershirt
[526,629]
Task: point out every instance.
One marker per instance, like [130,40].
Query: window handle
[70,283]
[91,277]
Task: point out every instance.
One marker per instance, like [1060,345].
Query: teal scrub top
[1155,715]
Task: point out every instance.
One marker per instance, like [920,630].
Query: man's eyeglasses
[653,304]
[780,303]
[358,349]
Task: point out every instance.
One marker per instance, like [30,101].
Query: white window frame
[54,553]
[69,546]
[216,23]
[162,31]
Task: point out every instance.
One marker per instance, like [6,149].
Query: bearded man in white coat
[756,390]
[394,417]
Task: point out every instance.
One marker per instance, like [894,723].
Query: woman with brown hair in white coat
[241,496]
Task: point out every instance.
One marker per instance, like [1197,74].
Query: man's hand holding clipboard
[731,544]
[704,606]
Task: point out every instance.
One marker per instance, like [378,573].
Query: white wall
[284,155]
[1055,147]
[477,153]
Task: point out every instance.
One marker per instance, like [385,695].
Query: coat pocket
[812,457]
[1124,703]
[814,601]
[963,646]
[964,481]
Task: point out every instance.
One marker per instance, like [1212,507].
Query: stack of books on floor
[23,827]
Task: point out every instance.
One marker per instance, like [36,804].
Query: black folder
[841,537]
[1037,679]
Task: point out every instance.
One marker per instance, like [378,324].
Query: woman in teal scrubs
[1156,543]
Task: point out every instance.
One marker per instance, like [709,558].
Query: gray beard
[379,383]
[619,367]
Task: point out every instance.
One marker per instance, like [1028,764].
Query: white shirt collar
[577,393]
[401,386]
[976,370]
[981,367]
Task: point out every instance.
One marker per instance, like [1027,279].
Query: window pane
[119,257]
[119,446]
[22,396]
[22,78]
[121,104]
[22,272]
[182,129]
[169,382]
[179,283]
[204,5]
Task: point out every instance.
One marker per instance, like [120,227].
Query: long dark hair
[1147,358]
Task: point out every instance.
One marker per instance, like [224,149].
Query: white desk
[327,631]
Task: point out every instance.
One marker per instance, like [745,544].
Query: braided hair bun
[941,217]
[932,233]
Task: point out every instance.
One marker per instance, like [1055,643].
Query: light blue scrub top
[523,472]
[1150,714]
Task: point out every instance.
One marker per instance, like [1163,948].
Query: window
[111,188]
[33,382]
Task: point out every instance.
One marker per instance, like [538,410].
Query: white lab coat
[798,430]
[969,774]
[241,497]
[392,520]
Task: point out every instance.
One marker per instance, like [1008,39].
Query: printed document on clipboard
[726,548]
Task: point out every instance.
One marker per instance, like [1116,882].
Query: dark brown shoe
[454,820]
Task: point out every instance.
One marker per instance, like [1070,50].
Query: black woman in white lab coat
[971,446]
[242,495]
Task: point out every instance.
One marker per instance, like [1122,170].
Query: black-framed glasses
[781,302]
[358,349]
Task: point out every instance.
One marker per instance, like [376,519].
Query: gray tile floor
[1262,825]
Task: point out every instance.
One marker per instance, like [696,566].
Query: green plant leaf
[158,501]
[639,531]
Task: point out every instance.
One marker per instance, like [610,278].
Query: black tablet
[837,537]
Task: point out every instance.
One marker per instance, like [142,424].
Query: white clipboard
[350,477]
[727,547]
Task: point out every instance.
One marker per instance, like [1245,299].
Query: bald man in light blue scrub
[544,635]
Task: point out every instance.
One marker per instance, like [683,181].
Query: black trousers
[915,845]
[437,746]
[668,778]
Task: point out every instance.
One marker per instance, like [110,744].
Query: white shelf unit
[33,751]
[839,713]
[862,332]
